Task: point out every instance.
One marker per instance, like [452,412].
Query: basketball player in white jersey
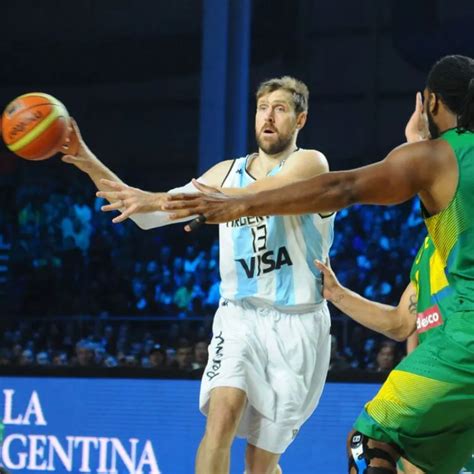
[269,354]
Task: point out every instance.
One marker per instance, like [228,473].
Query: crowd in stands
[66,259]
[175,347]
[76,344]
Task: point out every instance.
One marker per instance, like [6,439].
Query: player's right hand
[76,151]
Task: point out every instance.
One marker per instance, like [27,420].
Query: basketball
[35,126]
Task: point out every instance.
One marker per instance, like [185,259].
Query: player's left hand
[331,285]
[129,200]
[211,205]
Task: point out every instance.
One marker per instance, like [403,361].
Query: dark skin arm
[426,168]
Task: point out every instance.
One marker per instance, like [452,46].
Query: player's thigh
[260,461]
[226,405]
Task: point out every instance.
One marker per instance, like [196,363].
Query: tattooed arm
[412,341]
[396,322]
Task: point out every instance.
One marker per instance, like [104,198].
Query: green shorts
[426,406]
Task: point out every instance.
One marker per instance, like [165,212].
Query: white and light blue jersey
[271,259]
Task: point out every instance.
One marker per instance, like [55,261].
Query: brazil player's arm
[407,170]
[427,168]
[396,322]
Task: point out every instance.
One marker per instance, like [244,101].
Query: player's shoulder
[224,164]
[430,154]
[216,175]
[424,148]
[313,160]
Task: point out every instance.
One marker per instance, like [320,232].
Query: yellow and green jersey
[432,290]
[426,406]
[430,281]
[452,230]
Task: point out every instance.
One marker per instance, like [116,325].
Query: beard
[432,127]
[281,144]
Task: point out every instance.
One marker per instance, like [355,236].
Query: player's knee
[367,456]
[221,426]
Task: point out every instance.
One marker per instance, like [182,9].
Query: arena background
[162,90]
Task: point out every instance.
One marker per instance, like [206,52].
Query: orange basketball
[35,126]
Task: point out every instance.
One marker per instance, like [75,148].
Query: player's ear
[433,103]
[301,120]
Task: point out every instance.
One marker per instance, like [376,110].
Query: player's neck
[447,122]
[267,162]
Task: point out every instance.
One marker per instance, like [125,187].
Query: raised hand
[417,128]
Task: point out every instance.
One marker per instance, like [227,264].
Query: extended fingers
[173,198]
[178,204]
[174,216]
[111,196]
[124,215]
[419,102]
[112,207]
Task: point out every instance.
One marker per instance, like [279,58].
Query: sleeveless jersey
[452,230]
[270,259]
[428,277]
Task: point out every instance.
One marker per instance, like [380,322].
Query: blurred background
[162,90]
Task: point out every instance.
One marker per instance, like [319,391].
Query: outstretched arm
[77,153]
[131,201]
[121,196]
[406,171]
[145,207]
[396,322]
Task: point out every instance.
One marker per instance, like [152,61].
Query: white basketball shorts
[279,359]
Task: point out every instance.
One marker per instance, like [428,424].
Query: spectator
[200,355]
[184,356]
[26,358]
[85,356]
[157,357]
[386,356]
[184,294]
